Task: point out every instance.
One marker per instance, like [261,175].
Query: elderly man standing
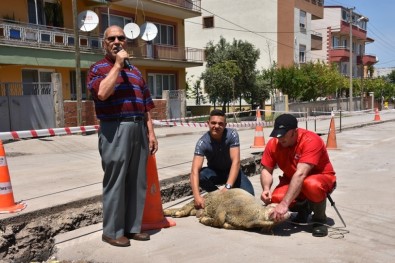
[122,103]
[308,173]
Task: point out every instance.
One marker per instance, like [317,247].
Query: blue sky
[381,27]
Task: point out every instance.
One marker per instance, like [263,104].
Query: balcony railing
[366,59]
[194,5]
[163,52]
[31,35]
[38,36]
[339,53]
[22,89]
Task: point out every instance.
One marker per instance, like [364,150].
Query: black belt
[126,119]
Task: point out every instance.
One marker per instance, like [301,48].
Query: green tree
[391,77]
[321,80]
[244,56]
[309,81]
[290,81]
[219,82]
[383,89]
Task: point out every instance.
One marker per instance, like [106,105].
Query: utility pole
[77,64]
[351,54]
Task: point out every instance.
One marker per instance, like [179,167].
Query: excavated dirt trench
[30,237]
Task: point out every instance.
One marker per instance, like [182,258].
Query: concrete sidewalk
[54,171]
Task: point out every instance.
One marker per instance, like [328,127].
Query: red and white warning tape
[204,124]
[15,135]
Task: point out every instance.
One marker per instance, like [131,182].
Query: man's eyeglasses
[112,38]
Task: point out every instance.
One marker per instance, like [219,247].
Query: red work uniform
[309,148]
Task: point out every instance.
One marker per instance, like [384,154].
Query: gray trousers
[123,148]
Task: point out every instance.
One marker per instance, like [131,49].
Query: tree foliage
[219,80]
[230,71]
[231,74]
[309,81]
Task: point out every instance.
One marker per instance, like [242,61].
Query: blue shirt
[218,153]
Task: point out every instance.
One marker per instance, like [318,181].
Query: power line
[380,38]
[254,32]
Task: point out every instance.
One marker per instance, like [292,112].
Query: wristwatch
[228,186]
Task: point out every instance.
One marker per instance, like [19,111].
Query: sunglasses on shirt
[112,38]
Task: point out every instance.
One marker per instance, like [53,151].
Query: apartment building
[339,36]
[281,30]
[37,45]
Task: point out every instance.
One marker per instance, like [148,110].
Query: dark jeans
[209,179]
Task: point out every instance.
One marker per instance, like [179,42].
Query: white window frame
[104,17]
[302,21]
[335,42]
[302,54]
[166,34]
[157,83]
[29,85]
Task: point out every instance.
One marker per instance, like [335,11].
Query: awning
[45,57]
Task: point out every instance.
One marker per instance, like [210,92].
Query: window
[346,15]
[302,54]
[159,82]
[49,12]
[208,22]
[73,85]
[165,35]
[335,42]
[344,68]
[359,50]
[36,81]
[302,21]
[344,43]
[120,21]
[32,12]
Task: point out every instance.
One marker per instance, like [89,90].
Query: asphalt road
[52,171]
[364,197]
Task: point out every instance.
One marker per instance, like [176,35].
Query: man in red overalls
[308,173]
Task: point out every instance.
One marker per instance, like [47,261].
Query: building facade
[281,30]
[37,39]
[339,36]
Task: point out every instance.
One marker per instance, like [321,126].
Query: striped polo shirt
[132,96]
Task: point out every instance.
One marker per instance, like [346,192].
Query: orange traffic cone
[153,217]
[7,203]
[331,141]
[259,139]
[258,115]
[376,115]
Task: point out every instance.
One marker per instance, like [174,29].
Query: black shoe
[301,218]
[320,230]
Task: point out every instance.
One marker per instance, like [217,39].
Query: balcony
[174,8]
[61,39]
[314,7]
[194,5]
[339,54]
[367,60]
[39,36]
[356,31]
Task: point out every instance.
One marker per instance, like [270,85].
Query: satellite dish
[148,31]
[87,20]
[131,30]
